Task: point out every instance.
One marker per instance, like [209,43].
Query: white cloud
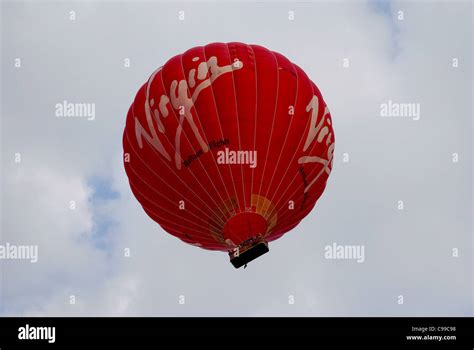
[37,211]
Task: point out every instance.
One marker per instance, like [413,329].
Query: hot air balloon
[228,146]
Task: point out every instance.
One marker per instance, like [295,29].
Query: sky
[106,257]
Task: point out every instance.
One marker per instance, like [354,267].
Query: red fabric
[233,96]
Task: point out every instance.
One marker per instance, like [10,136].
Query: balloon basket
[248,251]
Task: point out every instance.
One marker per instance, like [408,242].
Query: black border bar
[90,331]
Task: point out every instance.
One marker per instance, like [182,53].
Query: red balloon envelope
[228,146]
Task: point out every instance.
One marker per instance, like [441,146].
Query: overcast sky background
[81,252]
